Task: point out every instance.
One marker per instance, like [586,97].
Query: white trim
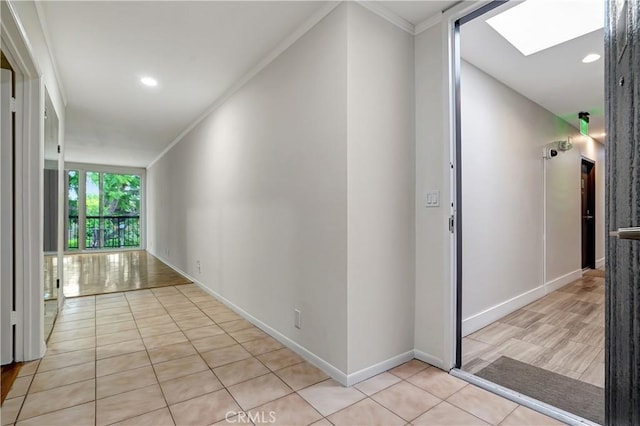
[563,280]
[50,52]
[19,42]
[449,17]
[325,366]
[600,263]
[429,359]
[518,398]
[494,313]
[334,372]
[284,45]
[89,167]
[387,15]
[381,367]
[430,22]
[29,172]
[103,250]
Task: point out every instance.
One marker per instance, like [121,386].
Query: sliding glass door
[104,210]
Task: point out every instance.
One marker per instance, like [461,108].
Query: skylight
[536,25]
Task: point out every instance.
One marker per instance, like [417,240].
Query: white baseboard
[332,371]
[600,263]
[429,359]
[381,367]
[565,279]
[494,313]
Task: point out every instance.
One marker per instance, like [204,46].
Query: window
[103,210]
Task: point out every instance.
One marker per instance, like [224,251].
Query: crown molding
[270,57]
[432,21]
[390,16]
[50,51]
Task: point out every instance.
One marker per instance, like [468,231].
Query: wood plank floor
[562,332]
[99,273]
[9,373]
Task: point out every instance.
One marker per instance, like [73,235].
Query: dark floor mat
[574,396]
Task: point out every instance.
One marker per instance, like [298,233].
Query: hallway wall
[380,186]
[504,196]
[298,192]
[257,194]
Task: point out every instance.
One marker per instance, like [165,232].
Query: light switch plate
[432,199]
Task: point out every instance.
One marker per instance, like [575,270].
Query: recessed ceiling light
[149,81]
[591,57]
[536,25]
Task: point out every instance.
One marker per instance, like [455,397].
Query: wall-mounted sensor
[565,145]
[552,149]
[549,153]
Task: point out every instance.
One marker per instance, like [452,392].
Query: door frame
[452,20]
[591,183]
[28,173]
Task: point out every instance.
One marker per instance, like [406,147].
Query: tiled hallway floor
[175,355]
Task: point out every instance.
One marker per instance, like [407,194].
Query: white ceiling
[554,78]
[416,11]
[198,50]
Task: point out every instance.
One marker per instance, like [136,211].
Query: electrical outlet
[198,266]
[296,318]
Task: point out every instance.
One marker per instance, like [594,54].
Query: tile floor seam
[60,409]
[166,294]
[462,409]
[216,376]
[18,420]
[417,387]
[95,360]
[469,412]
[345,407]
[510,413]
[24,399]
[154,373]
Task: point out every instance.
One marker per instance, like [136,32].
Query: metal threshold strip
[534,404]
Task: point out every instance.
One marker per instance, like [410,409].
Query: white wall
[257,193]
[380,190]
[433,292]
[29,173]
[564,216]
[298,193]
[503,187]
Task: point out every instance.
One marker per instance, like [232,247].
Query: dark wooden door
[588,193]
[622,319]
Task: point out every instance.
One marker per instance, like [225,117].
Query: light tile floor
[175,355]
